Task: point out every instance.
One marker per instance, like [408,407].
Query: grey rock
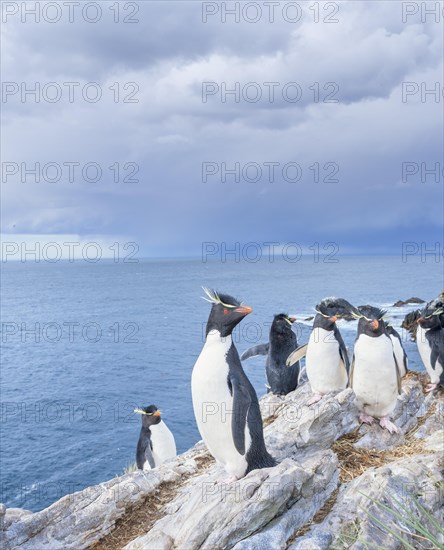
[265,509]
[212,515]
[413,300]
[78,520]
[317,541]
[350,523]
[434,421]
[2,516]
[307,429]
[409,407]
[13,515]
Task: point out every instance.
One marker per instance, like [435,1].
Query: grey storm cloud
[183,132]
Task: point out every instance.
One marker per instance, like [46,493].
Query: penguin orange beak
[157,413]
[245,310]
[374,324]
[333,318]
[292,319]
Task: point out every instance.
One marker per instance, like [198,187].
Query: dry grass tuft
[353,462]
[139,519]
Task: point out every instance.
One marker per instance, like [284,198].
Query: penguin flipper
[144,454]
[149,456]
[441,377]
[261,349]
[296,355]
[350,376]
[140,455]
[398,374]
[302,378]
[241,405]
[342,350]
[406,362]
[434,357]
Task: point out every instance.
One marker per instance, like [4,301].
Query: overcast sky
[176,127]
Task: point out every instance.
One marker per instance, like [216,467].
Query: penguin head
[150,415]
[431,317]
[371,320]
[282,324]
[226,312]
[436,303]
[411,319]
[333,309]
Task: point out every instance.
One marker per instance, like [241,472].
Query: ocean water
[84,344]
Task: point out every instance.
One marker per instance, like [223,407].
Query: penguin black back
[283,342]
[144,453]
[431,321]
[247,410]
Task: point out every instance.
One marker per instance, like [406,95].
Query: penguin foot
[384,422]
[316,397]
[430,387]
[366,419]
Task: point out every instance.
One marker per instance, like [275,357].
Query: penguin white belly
[425,352]
[375,380]
[325,369]
[213,404]
[399,354]
[164,445]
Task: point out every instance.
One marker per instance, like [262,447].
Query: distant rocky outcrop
[410,301]
[324,493]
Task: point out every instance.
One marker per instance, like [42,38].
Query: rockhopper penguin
[430,342]
[156,442]
[225,403]
[374,375]
[327,362]
[282,342]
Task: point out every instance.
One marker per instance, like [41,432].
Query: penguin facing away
[398,349]
[374,375]
[327,362]
[430,342]
[156,442]
[225,403]
[282,342]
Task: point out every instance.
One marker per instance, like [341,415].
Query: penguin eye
[225,311]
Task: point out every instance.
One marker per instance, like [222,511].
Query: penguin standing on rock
[281,380]
[430,342]
[398,349]
[156,442]
[225,403]
[374,375]
[327,362]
